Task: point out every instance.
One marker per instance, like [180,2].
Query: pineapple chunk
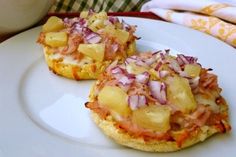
[179,93]
[56,39]
[102,16]
[53,24]
[84,14]
[121,35]
[131,49]
[110,29]
[192,70]
[115,99]
[94,51]
[153,117]
[96,25]
[132,68]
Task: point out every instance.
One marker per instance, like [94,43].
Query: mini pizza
[82,47]
[158,102]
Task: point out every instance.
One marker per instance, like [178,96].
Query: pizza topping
[114,47]
[137,131]
[92,38]
[71,46]
[115,99]
[175,65]
[152,117]
[125,80]
[142,78]
[53,24]
[179,93]
[192,70]
[112,66]
[182,59]
[201,115]
[137,101]
[56,39]
[90,28]
[208,80]
[113,19]
[94,51]
[76,25]
[163,73]
[117,70]
[166,97]
[158,91]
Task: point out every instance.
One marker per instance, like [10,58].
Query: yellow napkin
[209,23]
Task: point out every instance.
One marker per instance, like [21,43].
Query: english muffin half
[82,47]
[158,102]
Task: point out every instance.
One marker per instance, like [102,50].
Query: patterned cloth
[97,5]
[212,25]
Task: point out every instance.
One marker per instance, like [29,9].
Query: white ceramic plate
[42,114]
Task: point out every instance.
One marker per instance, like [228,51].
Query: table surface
[70,15]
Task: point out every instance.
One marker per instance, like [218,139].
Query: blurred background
[106,5]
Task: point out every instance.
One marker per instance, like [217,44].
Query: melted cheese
[71,60]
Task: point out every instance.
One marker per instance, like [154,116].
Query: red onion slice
[114,47]
[159,64]
[130,76]
[75,23]
[140,63]
[77,29]
[93,38]
[155,53]
[121,75]
[66,21]
[150,61]
[124,80]
[163,92]
[113,19]
[163,73]
[90,36]
[182,59]
[191,59]
[142,78]
[86,31]
[82,22]
[117,70]
[142,101]
[136,101]
[158,91]
[174,65]
[133,102]
[137,61]
[112,66]
[162,56]
[130,60]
